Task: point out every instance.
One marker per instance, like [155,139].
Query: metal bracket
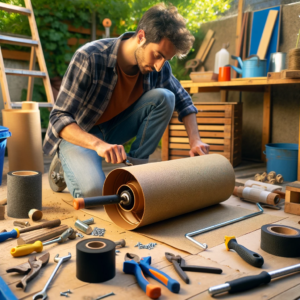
[197,232]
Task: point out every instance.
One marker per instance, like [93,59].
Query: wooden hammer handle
[49,224]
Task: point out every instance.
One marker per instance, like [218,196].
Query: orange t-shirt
[128,89]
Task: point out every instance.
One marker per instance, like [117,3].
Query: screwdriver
[38,246]
[15,233]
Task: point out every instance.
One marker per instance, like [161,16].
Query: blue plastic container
[4,134]
[283,159]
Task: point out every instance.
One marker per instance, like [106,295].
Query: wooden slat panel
[15,55]
[202,133]
[186,140]
[201,127]
[187,146]
[205,121]
[214,107]
[75,41]
[172,157]
[186,153]
[217,114]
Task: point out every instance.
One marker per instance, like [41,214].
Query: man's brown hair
[161,21]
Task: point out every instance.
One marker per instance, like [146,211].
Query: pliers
[180,267]
[133,265]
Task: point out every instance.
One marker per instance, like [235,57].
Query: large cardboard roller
[167,189]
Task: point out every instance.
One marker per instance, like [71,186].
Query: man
[117,89]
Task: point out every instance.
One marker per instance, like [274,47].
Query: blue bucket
[283,159]
[4,134]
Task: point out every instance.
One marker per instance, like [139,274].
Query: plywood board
[267,33]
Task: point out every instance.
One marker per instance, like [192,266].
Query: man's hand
[199,148]
[114,154]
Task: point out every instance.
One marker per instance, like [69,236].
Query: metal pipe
[204,246]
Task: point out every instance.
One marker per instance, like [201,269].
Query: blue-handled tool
[133,265]
[15,233]
[5,292]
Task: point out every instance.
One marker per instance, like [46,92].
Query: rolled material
[280,240]
[95,260]
[24,192]
[25,145]
[262,186]
[256,195]
[167,189]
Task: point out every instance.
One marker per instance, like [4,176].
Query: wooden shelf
[247,84]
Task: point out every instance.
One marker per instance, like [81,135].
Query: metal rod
[204,246]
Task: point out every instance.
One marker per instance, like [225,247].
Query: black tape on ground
[280,240]
[95,260]
[24,192]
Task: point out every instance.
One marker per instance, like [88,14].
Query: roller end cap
[78,203]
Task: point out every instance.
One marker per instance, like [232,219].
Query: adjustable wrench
[59,261]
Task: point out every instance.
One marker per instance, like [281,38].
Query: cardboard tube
[256,195]
[25,145]
[167,189]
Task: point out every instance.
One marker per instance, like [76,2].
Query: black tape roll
[95,260]
[280,240]
[24,192]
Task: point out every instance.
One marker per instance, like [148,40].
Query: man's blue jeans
[146,120]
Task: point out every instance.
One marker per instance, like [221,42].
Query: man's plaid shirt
[88,85]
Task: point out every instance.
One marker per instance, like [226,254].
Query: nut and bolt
[83,227]
[120,243]
[68,292]
[64,294]
[149,246]
[79,235]
[21,224]
[98,231]
[104,296]
[88,221]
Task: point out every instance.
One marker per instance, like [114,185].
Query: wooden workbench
[125,286]
[261,84]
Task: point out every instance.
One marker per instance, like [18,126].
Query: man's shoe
[56,175]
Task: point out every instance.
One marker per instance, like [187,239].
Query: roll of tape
[95,260]
[280,240]
[24,192]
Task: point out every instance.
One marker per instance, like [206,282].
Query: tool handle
[80,203]
[202,269]
[9,235]
[48,224]
[172,284]
[132,267]
[249,282]
[26,249]
[180,271]
[252,258]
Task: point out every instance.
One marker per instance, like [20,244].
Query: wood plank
[187,146]
[267,33]
[213,107]
[186,153]
[194,90]
[274,75]
[15,55]
[205,140]
[238,32]
[30,78]
[224,95]
[205,121]
[75,41]
[266,121]
[290,74]
[15,9]
[204,44]
[165,145]
[208,49]
[202,134]
[39,53]
[201,127]
[244,50]
[4,85]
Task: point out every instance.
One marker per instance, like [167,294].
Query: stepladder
[36,55]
